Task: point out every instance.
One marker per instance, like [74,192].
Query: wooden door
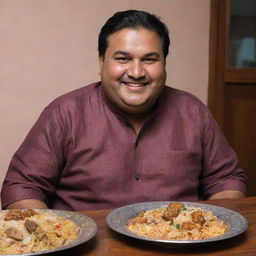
[232,78]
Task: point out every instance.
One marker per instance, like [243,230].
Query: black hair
[133,19]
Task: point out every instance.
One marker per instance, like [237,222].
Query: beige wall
[49,47]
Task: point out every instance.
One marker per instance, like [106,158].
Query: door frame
[219,73]
[217,58]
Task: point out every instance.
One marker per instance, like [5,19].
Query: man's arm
[221,176]
[34,168]
[27,203]
[227,194]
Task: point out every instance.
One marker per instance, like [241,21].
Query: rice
[192,223]
[50,232]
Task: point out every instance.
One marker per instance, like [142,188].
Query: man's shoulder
[177,96]
[76,96]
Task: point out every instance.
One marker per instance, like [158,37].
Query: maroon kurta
[83,154]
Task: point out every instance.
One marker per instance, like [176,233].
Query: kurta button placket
[136,160]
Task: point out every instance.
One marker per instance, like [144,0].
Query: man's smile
[134,84]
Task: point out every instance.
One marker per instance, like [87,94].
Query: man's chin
[136,108]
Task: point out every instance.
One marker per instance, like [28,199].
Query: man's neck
[139,120]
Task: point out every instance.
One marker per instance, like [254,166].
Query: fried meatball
[172,211]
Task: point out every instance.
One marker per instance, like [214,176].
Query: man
[126,139]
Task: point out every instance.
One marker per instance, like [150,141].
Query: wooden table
[108,243]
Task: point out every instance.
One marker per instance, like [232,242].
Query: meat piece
[13,215]
[14,234]
[179,206]
[188,225]
[172,211]
[44,239]
[28,213]
[39,230]
[198,217]
[30,225]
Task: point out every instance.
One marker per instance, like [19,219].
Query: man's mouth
[133,84]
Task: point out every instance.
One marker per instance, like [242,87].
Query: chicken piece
[198,217]
[28,213]
[172,211]
[13,215]
[14,234]
[188,225]
[39,230]
[44,239]
[177,205]
[30,225]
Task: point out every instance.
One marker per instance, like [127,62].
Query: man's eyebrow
[152,54]
[121,52]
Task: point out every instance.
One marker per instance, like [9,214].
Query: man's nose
[136,69]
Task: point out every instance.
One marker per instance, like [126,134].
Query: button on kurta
[137,177]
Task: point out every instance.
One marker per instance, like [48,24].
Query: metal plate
[88,229]
[116,221]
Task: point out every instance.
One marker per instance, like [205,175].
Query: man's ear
[101,59]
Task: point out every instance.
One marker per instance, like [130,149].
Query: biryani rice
[185,226]
[51,232]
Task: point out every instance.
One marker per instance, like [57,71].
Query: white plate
[116,221]
[88,229]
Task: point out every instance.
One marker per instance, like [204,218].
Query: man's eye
[150,60]
[121,59]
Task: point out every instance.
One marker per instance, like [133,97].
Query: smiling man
[133,72]
[128,138]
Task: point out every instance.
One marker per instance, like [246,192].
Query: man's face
[133,69]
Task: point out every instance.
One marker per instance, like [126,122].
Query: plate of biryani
[38,232]
[177,224]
